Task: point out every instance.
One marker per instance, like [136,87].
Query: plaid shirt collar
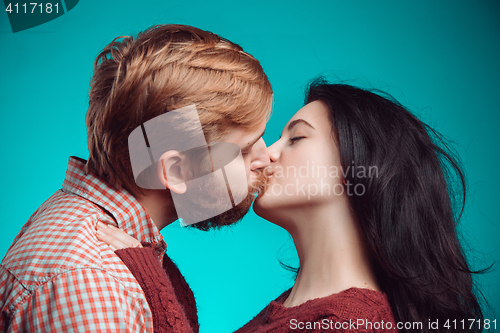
[128,213]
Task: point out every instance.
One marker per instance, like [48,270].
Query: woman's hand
[114,237]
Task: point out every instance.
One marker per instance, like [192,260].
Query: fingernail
[112,247]
[101,225]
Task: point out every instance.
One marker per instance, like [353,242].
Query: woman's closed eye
[295,139]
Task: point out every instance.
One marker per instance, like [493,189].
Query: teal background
[439,58]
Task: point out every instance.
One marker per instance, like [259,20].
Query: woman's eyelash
[292,140]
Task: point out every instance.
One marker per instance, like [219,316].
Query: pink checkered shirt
[57,277]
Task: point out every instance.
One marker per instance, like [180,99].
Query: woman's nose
[273,152]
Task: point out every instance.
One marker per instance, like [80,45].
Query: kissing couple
[175,124]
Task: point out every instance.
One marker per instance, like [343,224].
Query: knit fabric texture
[351,310]
[167,292]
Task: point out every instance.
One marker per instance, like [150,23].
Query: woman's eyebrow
[294,123]
[298,121]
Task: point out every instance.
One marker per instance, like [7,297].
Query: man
[56,275]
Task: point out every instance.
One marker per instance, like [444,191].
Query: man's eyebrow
[254,141]
[298,121]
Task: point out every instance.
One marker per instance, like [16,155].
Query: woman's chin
[267,207]
[261,206]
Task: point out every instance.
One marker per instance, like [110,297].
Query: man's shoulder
[72,291]
[66,206]
[59,236]
[57,251]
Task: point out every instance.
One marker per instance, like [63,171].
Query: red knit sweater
[174,309]
[167,292]
[352,310]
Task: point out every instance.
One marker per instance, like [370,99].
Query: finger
[119,234]
[113,243]
[117,242]
[116,236]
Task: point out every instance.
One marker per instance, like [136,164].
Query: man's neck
[160,207]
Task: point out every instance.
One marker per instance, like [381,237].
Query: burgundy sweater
[351,310]
[174,309]
[167,292]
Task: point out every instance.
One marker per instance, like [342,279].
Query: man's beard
[235,214]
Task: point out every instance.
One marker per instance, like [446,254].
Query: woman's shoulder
[352,309]
[349,310]
[355,297]
[360,297]
[349,300]
[357,309]
[358,301]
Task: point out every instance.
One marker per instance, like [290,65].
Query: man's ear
[171,171]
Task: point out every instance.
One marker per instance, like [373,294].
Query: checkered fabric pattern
[57,277]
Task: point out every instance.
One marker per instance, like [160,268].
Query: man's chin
[227,218]
[237,213]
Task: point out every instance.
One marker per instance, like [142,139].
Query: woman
[366,191]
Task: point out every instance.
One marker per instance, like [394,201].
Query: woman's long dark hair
[407,211]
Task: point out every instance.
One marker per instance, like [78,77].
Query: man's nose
[273,152]
[260,158]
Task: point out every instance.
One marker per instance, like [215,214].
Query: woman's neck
[332,253]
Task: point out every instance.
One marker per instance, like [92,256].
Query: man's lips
[269,171]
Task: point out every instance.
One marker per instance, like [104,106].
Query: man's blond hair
[164,68]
